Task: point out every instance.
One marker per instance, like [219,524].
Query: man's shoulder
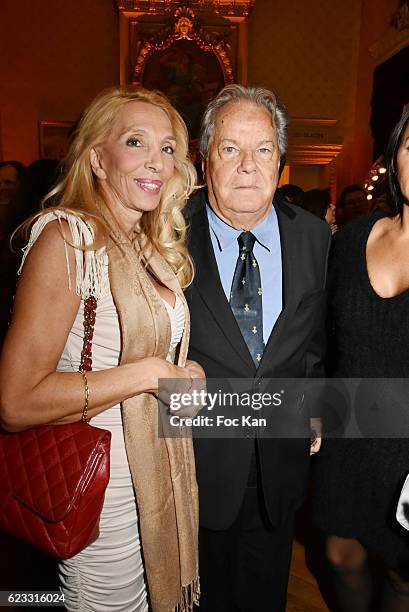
[303,220]
[196,203]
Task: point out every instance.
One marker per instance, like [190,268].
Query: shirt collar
[225,234]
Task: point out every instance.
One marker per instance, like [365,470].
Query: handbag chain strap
[90,308]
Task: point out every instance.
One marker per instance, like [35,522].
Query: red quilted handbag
[53,478]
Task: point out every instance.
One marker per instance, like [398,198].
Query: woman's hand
[316,435]
[197,390]
[195,369]
[159,370]
[176,386]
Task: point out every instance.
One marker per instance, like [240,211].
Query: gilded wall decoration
[188,50]
[185,27]
[400,18]
[234,8]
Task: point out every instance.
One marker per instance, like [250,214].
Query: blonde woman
[115,232]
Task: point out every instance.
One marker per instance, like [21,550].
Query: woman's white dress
[109,575]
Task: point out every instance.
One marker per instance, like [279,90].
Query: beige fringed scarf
[162,469]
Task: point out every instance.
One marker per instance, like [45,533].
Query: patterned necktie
[246,297]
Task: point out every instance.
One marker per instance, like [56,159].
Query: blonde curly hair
[78,192]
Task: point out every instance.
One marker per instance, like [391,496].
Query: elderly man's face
[242,165]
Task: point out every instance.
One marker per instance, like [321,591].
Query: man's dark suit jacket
[295,349]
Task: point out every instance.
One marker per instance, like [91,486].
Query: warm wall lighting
[374,184]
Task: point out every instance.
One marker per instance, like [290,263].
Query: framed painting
[189,77]
[54,138]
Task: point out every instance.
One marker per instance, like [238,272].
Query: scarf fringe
[90,276]
[190,596]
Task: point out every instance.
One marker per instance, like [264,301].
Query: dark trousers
[245,568]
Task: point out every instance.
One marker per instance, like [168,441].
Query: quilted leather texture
[52,485]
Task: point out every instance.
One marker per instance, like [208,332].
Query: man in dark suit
[257,312]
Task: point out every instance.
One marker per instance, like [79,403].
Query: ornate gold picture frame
[189,51]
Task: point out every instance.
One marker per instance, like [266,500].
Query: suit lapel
[207,282]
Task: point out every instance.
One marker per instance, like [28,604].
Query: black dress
[358,481]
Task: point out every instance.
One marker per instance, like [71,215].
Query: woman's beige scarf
[162,469]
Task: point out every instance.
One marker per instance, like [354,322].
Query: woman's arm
[31,391]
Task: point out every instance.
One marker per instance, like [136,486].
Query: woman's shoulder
[80,227]
[358,226]
[76,232]
[351,236]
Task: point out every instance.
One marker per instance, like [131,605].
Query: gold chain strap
[90,307]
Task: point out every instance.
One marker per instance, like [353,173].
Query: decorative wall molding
[396,38]
[312,121]
[393,42]
[225,8]
[313,141]
[400,18]
[306,155]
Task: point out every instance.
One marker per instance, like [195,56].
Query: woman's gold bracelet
[84,417]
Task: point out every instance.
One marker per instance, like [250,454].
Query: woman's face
[136,162]
[402,160]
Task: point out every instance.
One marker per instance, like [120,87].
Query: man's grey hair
[239,93]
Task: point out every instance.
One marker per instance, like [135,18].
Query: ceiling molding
[306,155]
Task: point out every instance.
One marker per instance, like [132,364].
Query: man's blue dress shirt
[267,251]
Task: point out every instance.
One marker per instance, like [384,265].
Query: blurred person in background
[292,193]
[352,204]
[12,174]
[11,177]
[40,178]
[26,194]
[318,202]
